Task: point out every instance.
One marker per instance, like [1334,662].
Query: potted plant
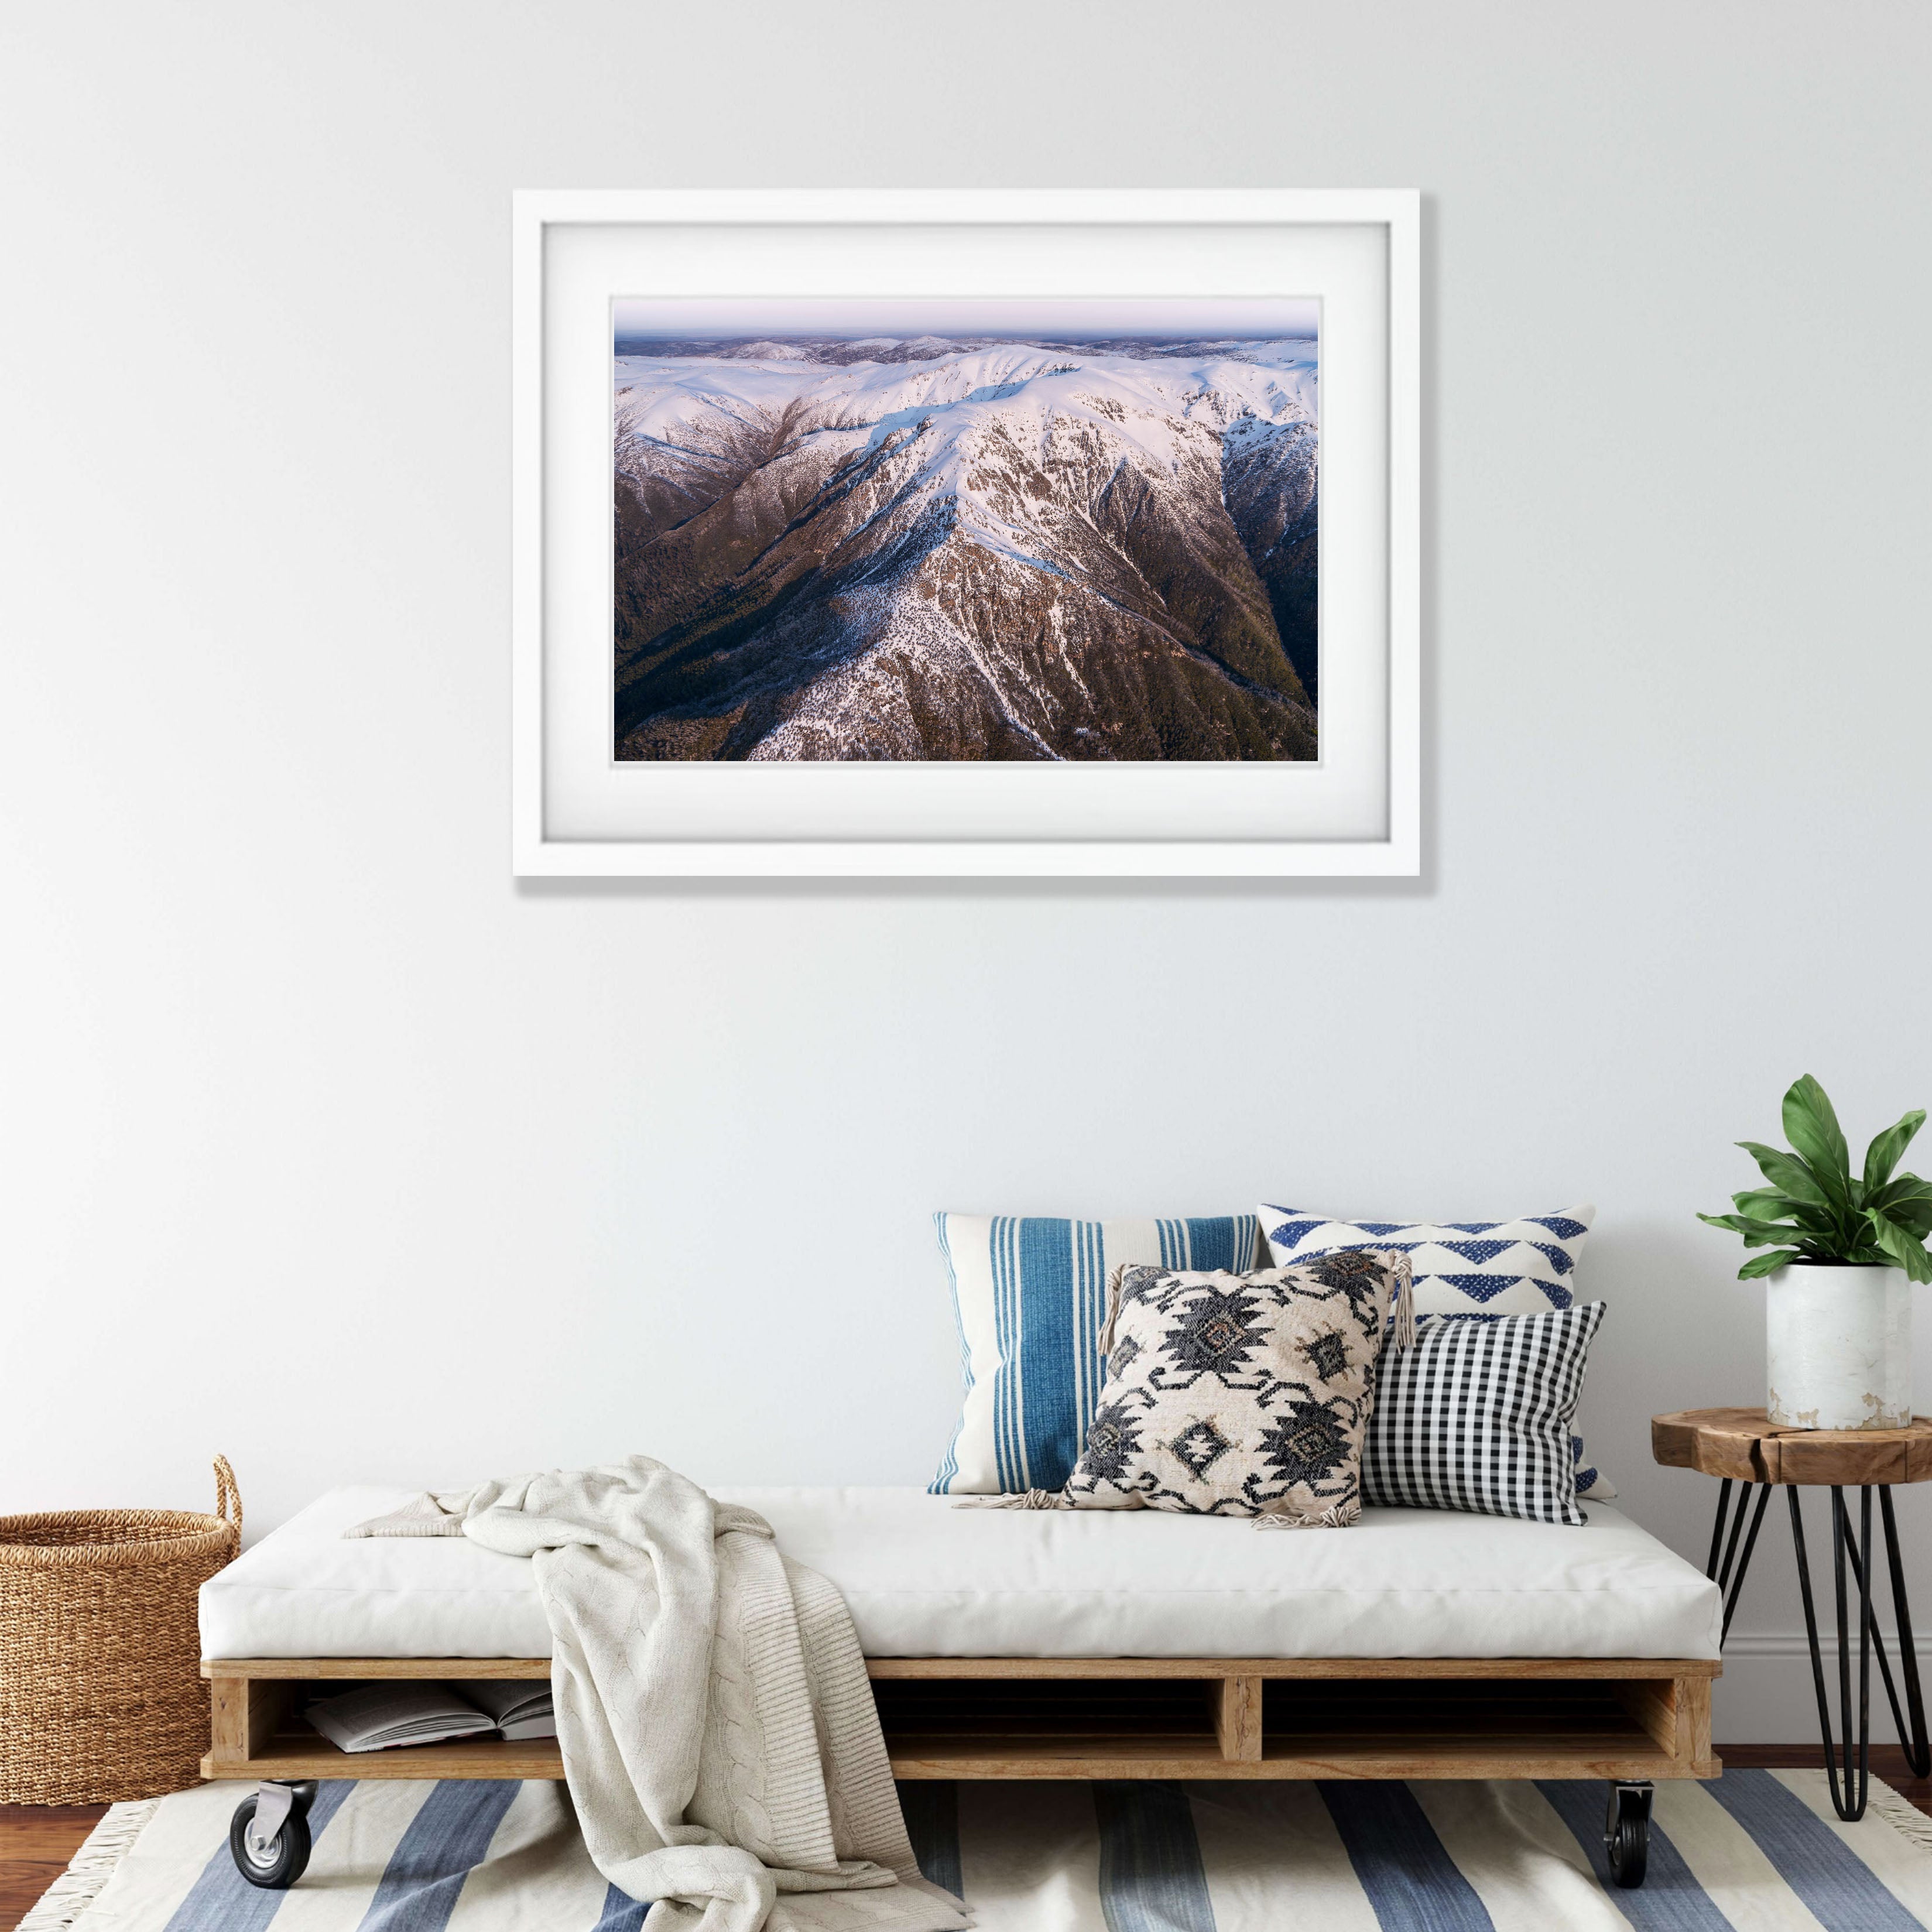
[1844,1250]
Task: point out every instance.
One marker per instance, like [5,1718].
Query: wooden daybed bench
[1420,1644]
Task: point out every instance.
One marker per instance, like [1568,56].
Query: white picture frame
[575,817]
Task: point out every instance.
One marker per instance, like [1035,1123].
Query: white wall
[324,1144]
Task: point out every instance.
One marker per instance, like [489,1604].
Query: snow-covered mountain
[983,550]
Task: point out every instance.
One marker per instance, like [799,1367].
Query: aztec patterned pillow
[1525,1267]
[1475,1415]
[1240,1395]
[1029,1294]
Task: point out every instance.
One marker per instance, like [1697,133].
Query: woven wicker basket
[101,1696]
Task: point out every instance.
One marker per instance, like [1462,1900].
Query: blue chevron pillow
[1480,1269]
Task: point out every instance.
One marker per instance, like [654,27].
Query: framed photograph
[974,533]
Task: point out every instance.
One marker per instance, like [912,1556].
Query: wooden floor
[36,1841]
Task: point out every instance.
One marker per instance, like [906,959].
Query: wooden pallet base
[1113,1717]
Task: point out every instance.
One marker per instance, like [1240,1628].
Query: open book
[521,1709]
[378,1716]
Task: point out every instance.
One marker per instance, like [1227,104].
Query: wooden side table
[1741,1445]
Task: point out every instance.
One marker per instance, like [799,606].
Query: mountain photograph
[1004,542]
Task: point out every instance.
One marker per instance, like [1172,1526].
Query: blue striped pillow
[1029,1294]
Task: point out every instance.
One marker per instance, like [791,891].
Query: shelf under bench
[1110,1717]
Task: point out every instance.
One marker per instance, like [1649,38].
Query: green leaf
[1763,1265]
[1899,1249]
[1906,1200]
[1786,1173]
[1767,1204]
[1903,1190]
[1914,1216]
[1756,1233]
[1887,1148]
[1811,1126]
[1733,1223]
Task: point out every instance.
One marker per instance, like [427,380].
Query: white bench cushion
[925,1578]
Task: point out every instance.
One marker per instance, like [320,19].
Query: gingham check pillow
[1475,1415]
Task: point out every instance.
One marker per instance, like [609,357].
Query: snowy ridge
[1009,550]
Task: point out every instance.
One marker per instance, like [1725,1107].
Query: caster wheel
[287,1856]
[1627,1835]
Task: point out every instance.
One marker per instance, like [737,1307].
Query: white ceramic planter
[1838,1347]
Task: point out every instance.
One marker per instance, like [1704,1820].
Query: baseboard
[1743,1647]
[1767,1696]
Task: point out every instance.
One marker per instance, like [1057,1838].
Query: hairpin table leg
[1910,1722]
[1717,1528]
[1848,1798]
[1729,1575]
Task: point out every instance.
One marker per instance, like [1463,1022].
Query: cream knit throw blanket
[717,1725]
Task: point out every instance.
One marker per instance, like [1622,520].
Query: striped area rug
[1756,1852]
